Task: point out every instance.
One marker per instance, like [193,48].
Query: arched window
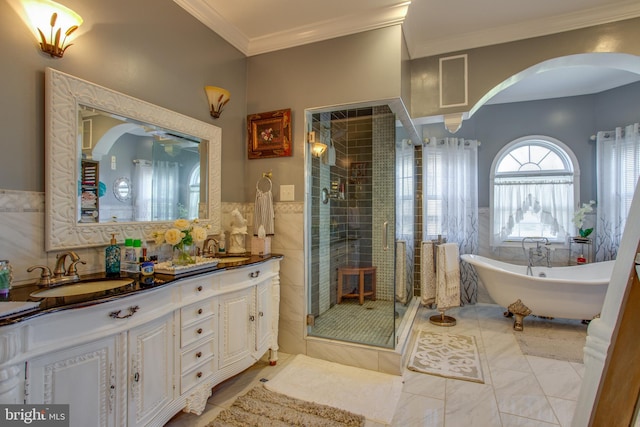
[534,183]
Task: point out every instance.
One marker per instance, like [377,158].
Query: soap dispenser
[112,258]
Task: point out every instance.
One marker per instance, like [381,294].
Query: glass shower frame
[330,239]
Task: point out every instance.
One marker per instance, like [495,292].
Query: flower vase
[184,254]
[585,233]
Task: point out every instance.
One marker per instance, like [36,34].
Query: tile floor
[519,390]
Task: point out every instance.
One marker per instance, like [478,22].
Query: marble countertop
[140,284]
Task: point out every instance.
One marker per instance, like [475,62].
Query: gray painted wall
[357,68]
[149,49]
[571,120]
[491,65]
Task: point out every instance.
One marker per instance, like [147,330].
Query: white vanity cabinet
[246,318]
[125,378]
[83,377]
[140,359]
[151,370]
[99,385]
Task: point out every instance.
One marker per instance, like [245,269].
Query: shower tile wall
[384,185]
[418,220]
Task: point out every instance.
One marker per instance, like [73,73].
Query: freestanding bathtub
[573,292]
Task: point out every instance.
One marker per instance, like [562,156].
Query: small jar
[6,277]
[147,268]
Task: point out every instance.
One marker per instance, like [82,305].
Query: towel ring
[264,182]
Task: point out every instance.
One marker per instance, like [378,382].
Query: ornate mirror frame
[63,94]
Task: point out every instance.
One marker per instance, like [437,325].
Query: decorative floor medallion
[447,355]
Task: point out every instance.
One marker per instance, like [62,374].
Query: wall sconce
[49,20]
[317,148]
[218,98]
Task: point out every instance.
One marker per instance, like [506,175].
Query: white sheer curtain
[142,178]
[166,177]
[155,190]
[532,207]
[450,200]
[618,171]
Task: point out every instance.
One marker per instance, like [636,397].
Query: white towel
[263,212]
[401,271]
[448,276]
[427,274]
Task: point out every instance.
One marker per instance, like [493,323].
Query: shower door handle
[385,235]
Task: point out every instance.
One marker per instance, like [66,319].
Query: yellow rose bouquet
[182,236]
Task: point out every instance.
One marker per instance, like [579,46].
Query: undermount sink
[81,288]
[229,259]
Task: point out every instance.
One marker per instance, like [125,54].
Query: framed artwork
[358,172]
[269,134]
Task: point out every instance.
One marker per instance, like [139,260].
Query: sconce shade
[218,98]
[318,148]
[49,20]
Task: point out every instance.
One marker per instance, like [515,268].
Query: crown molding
[210,17]
[329,29]
[524,30]
[318,31]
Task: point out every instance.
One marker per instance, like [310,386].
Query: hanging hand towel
[263,212]
[427,274]
[448,276]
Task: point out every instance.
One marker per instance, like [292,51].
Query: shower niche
[353,221]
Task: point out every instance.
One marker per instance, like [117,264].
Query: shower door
[351,221]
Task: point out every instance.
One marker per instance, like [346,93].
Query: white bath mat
[447,355]
[372,394]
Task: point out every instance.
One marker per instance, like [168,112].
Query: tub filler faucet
[536,254]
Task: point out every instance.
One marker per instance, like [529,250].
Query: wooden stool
[360,273]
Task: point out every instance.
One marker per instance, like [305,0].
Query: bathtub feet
[520,311]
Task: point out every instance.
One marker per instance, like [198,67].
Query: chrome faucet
[536,254]
[206,246]
[60,273]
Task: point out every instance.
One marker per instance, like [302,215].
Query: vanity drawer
[245,276]
[191,358]
[196,331]
[197,311]
[197,289]
[197,375]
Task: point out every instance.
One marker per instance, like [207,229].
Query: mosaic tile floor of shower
[371,323]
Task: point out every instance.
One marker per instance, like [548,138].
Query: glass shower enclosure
[359,232]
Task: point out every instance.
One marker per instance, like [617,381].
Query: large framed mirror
[167,165]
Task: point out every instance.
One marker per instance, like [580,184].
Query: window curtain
[450,200]
[142,177]
[618,159]
[547,199]
[166,176]
[155,190]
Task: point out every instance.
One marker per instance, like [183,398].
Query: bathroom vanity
[137,355]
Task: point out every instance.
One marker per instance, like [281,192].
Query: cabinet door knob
[199,374]
[199,311]
[254,274]
[252,318]
[136,377]
[199,288]
[199,330]
[199,354]
[261,314]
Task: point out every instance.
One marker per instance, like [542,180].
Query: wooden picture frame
[358,172]
[269,134]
